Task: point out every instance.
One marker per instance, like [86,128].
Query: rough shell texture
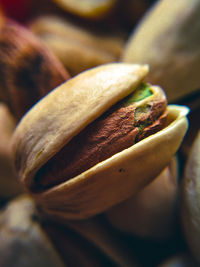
[64,113]
[168,40]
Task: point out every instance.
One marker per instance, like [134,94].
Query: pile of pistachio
[100,134]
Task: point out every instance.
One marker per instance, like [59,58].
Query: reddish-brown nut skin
[114,131]
[28,69]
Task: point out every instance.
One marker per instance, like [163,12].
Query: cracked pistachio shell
[168,40]
[191,200]
[62,114]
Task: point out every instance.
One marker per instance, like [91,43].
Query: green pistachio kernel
[142,92]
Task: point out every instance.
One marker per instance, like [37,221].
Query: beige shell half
[62,114]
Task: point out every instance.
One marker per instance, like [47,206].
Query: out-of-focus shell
[55,120]
[191,200]
[9,185]
[77,48]
[22,241]
[28,68]
[152,212]
[168,40]
[88,8]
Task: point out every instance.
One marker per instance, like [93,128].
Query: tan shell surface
[168,40]
[63,113]
[152,212]
[77,48]
[87,8]
[119,177]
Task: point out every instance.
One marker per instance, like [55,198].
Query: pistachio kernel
[137,116]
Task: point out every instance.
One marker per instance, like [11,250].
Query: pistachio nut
[9,184]
[78,48]
[168,40]
[79,108]
[23,243]
[92,9]
[152,212]
[28,69]
[191,201]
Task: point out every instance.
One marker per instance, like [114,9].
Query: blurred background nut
[168,40]
[93,9]
[152,213]
[9,185]
[23,243]
[27,239]
[28,69]
[190,200]
[81,100]
[90,242]
[78,48]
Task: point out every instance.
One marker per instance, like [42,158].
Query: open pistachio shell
[168,40]
[64,113]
